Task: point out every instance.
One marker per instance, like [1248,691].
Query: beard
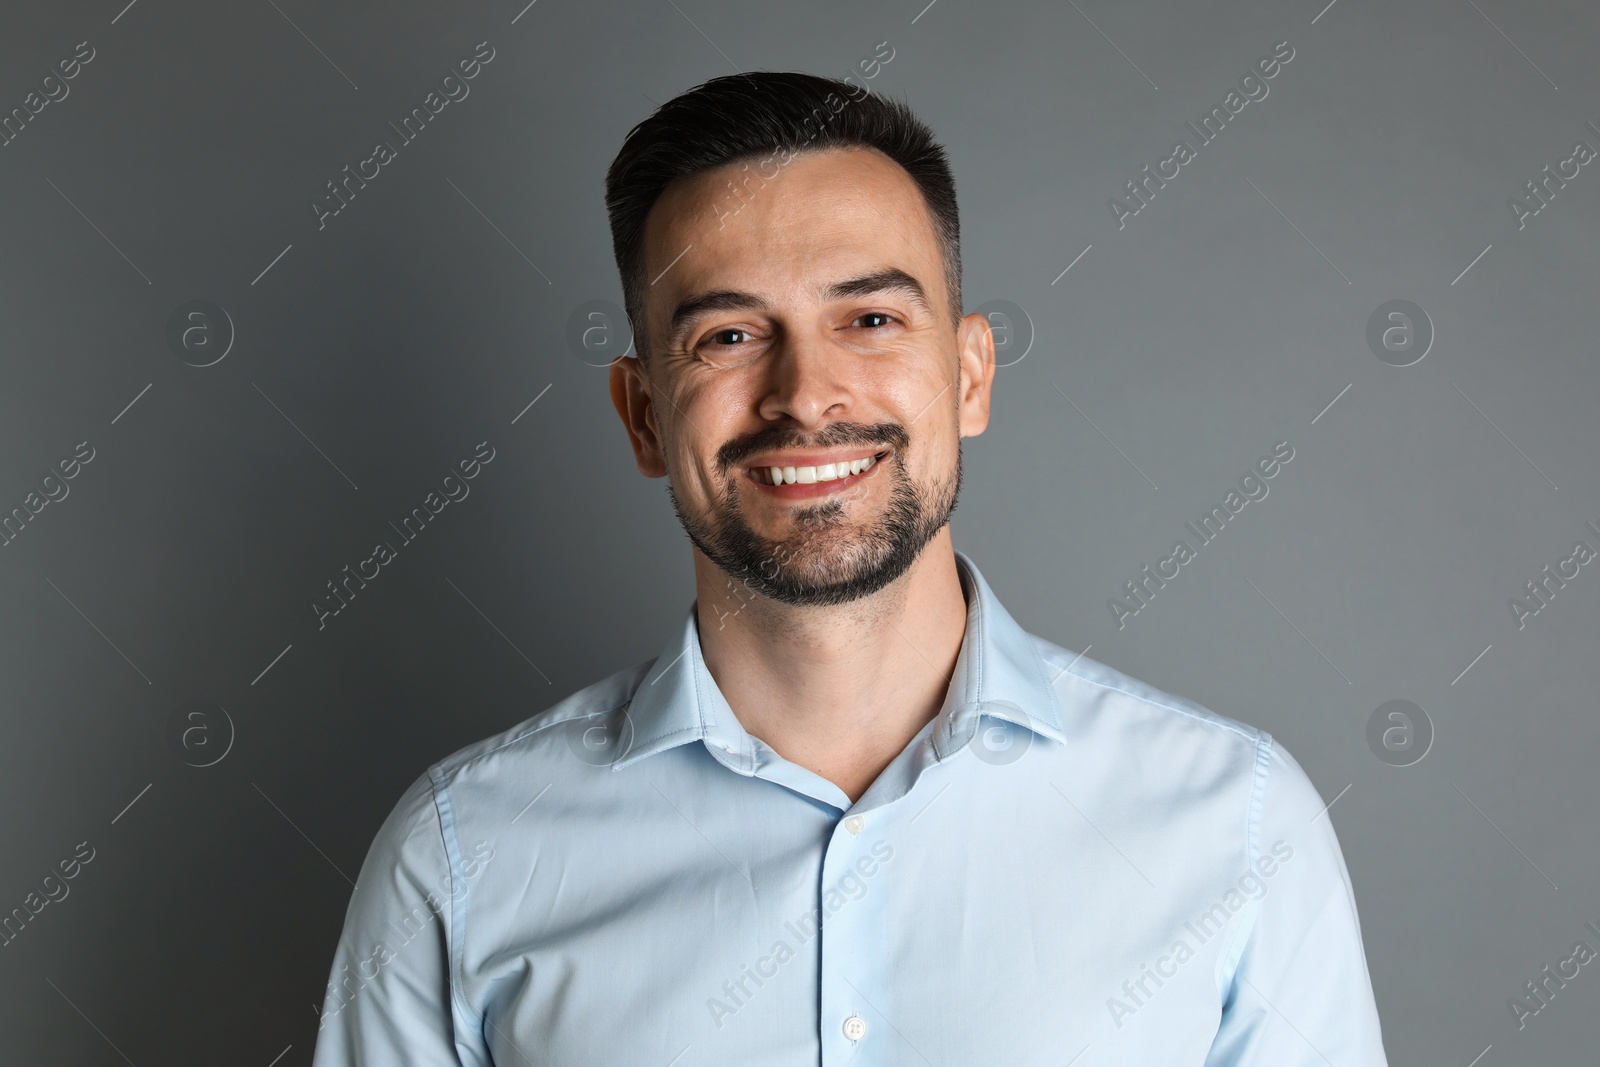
[826,561]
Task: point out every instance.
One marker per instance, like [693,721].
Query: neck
[839,689]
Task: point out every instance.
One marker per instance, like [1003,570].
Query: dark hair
[742,117]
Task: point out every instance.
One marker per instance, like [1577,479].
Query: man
[852,813]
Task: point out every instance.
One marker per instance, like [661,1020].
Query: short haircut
[758,116]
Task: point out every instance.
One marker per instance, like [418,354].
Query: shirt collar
[998,673]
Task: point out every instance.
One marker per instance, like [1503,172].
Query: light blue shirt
[1065,866]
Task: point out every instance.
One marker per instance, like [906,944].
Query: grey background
[375,353]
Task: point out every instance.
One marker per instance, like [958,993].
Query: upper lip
[813,459]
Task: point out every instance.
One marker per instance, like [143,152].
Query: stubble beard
[824,562]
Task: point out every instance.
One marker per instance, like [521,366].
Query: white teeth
[811,475]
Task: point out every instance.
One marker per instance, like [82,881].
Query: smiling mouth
[827,472]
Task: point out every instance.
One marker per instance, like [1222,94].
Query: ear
[631,396]
[976,358]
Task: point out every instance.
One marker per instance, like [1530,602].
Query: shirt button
[855,1028]
[855,824]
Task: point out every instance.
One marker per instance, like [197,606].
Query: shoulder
[1127,719]
[1087,687]
[1228,795]
[420,823]
[543,736]
[1174,740]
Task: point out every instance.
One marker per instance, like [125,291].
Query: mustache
[837,435]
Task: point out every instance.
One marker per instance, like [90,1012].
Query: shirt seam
[455,935]
[446,768]
[1228,966]
[1247,732]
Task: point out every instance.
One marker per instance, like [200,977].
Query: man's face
[804,324]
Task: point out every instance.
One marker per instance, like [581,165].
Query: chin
[825,559]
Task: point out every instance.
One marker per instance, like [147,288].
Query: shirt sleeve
[390,997]
[1299,994]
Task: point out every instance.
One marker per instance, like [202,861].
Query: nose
[808,380]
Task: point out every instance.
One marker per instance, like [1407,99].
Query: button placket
[853,938]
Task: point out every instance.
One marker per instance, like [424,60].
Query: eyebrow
[887,280]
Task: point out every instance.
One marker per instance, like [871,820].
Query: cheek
[693,477]
[714,486]
[692,464]
[706,419]
[935,461]
[930,386]
[938,451]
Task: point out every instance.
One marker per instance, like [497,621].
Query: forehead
[785,231]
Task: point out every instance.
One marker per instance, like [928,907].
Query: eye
[884,319]
[727,337]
